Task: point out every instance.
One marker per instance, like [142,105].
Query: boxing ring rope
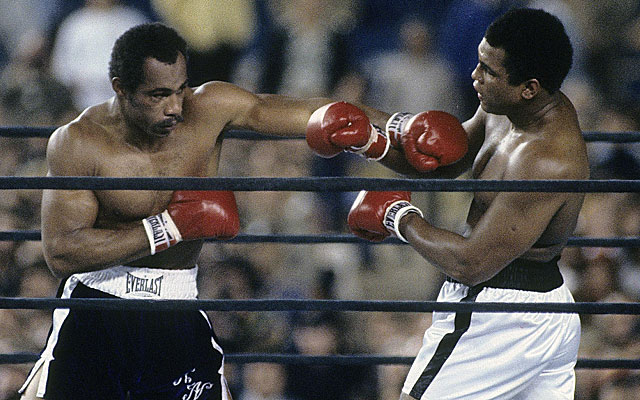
[324,184]
[314,305]
[34,235]
[45,132]
[365,359]
[321,184]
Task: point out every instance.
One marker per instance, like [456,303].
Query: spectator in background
[263,381]
[216,32]
[322,335]
[615,160]
[21,18]
[627,387]
[627,216]
[237,278]
[608,337]
[606,275]
[398,334]
[145,7]
[413,77]
[598,275]
[62,9]
[607,22]
[306,53]
[378,18]
[24,330]
[30,95]
[82,47]
[631,36]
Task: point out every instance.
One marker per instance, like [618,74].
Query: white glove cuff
[396,123]
[394,214]
[376,134]
[161,231]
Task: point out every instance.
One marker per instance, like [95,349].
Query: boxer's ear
[531,89]
[116,84]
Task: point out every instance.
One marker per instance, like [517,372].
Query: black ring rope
[18,132]
[45,132]
[34,235]
[313,305]
[354,359]
[324,184]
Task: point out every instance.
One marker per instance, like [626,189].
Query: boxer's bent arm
[70,242]
[507,229]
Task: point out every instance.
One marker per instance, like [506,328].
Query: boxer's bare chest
[177,159]
[493,161]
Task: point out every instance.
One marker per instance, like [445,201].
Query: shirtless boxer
[143,244]
[524,129]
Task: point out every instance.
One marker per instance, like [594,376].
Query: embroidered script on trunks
[194,389]
[148,286]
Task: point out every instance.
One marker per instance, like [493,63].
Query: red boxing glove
[375,215]
[193,215]
[433,139]
[340,126]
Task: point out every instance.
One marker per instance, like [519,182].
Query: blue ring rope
[45,132]
[324,184]
[314,305]
[34,235]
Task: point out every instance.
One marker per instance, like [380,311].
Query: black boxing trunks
[120,354]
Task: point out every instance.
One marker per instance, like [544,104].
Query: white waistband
[135,282]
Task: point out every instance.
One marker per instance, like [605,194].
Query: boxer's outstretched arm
[264,113]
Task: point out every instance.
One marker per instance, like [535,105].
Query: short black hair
[536,46]
[140,42]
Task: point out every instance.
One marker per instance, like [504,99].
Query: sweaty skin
[163,129]
[519,132]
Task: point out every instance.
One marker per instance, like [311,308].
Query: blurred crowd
[396,55]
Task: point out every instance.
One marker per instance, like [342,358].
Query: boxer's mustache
[176,119]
